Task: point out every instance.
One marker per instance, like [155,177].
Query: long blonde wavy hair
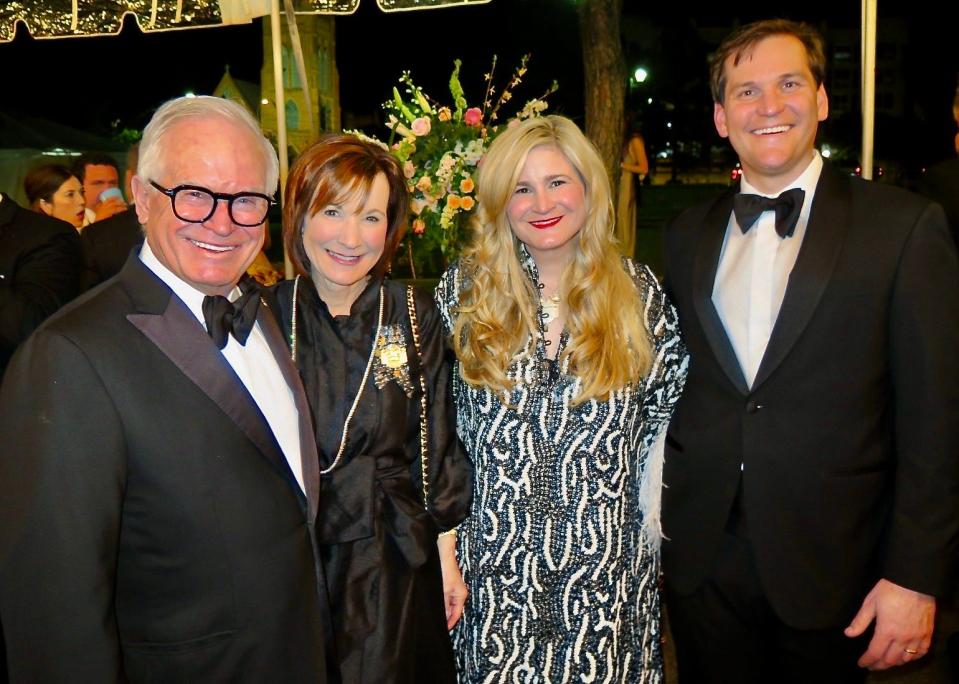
[608,345]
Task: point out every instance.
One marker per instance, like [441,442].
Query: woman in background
[375,364]
[53,190]
[634,168]
[569,363]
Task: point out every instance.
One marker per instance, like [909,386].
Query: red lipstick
[546,223]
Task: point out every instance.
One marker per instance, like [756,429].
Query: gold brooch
[393,355]
[391,358]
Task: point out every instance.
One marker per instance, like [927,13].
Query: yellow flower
[466,185]
[444,114]
[424,184]
[467,203]
[453,201]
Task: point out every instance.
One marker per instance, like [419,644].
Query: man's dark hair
[93,159]
[741,42]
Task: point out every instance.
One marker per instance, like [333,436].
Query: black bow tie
[787,207]
[224,317]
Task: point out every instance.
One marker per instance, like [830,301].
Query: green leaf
[401,106]
[456,90]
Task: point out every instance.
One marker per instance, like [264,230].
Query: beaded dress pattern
[563,582]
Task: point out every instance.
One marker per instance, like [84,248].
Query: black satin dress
[376,538]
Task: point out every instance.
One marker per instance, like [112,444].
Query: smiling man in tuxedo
[811,465]
[158,474]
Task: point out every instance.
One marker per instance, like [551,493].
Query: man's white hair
[180,109]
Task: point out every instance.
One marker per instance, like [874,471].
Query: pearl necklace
[366,373]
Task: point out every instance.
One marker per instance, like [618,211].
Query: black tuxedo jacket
[151,529]
[848,437]
[39,272]
[940,183]
[107,244]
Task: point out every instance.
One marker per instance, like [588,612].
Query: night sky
[101,83]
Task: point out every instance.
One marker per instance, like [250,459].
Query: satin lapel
[308,456]
[167,322]
[826,231]
[704,275]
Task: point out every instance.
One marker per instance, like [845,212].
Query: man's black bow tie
[787,207]
[224,317]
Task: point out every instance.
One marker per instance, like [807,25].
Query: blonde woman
[569,363]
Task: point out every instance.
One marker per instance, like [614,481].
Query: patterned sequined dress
[563,584]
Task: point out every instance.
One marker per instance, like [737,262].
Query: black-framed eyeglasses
[196,204]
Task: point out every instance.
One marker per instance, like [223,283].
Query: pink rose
[421,126]
[473,116]
[408,169]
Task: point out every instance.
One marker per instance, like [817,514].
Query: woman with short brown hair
[374,361]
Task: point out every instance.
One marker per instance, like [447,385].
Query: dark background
[106,84]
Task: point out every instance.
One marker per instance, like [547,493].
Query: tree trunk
[604,69]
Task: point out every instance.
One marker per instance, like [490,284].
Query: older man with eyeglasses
[158,475]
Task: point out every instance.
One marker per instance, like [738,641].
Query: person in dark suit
[40,266]
[811,474]
[39,272]
[158,474]
[107,244]
[940,183]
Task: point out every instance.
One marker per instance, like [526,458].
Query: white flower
[394,125]
[474,152]
[365,138]
[532,108]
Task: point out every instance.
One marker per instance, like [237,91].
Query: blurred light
[669,124]
[640,75]
[649,100]
[59,152]
[189,93]
[264,101]
[826,151]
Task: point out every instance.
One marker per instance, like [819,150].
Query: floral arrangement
[440,147]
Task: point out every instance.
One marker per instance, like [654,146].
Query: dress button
[752,406]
